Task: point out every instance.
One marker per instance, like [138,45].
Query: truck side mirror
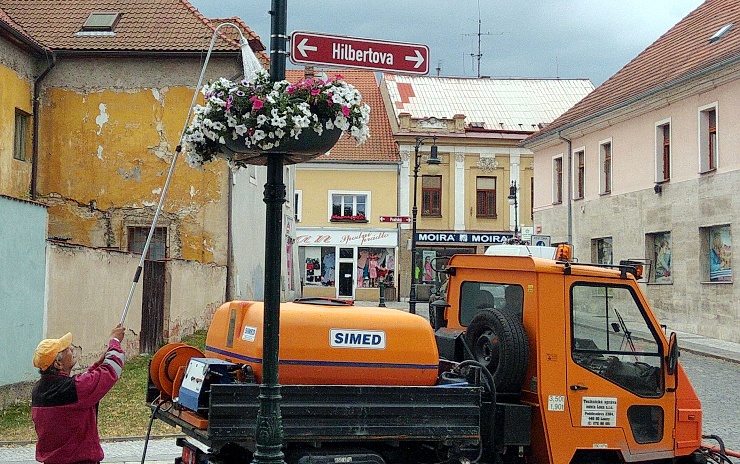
[673,354]
[437,313]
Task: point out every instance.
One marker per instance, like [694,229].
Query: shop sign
[347,237]
[464,237]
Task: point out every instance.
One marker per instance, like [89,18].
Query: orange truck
[527,360]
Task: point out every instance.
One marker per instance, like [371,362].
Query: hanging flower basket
[246,122]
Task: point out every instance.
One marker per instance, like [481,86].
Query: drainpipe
[36,116]
[570,188]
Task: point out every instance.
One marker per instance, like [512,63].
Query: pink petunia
[256,102]
[315,92]
[345,110]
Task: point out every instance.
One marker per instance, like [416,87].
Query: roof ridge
[208,23]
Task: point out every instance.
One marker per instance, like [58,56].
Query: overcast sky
[542,38]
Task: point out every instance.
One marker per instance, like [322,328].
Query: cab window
[476,296]
[612,338]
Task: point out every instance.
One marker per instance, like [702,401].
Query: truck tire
[498,341]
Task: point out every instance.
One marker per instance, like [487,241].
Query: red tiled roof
[380,147]
[8,23]
[144,25]
[681,52]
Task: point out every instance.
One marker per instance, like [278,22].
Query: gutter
[36,117]
[570,188]
[635,99]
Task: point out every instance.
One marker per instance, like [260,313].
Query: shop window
[601,250]
[659,247]
[431,196]
[663,151]
[605,158]
[708,137]
[604,319]
[319,266]
[579,188]
[375,266]
[349,207]
[157,247]
[717,252]
[20,142]
[485,197]
[557,180]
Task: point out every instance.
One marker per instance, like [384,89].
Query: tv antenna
[479,34]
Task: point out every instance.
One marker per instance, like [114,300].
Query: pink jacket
[65,410]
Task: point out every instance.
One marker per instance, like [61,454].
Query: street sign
[355,52]
[397,219]
[540,240]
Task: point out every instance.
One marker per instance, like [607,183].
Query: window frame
[663,136]
[427,199]
[557,179]
[486,193]
[606,167]
[579,173]
[708,138]
[355,213]
[21,135]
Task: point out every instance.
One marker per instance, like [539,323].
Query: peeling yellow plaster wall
[15,175]
[110,152]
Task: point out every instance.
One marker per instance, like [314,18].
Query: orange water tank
[330,345]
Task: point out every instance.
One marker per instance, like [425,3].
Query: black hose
[491,388]
[149,431]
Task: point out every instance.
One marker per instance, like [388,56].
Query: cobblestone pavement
[159,451]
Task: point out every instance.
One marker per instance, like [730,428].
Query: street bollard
[381,303]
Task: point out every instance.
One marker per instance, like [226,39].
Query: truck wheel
[498,341]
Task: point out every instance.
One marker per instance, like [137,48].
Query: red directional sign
[354,52]
[398,219]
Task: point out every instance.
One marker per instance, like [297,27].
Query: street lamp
[433,160]
[513,201]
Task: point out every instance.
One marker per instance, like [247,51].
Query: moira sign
[464,237]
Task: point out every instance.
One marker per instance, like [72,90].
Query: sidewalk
[164,450]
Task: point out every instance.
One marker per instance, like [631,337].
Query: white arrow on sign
[418,58]
[303,48]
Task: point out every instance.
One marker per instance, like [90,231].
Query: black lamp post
[513,201]
[269,430]
[433,160]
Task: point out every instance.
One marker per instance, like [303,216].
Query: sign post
[354,52]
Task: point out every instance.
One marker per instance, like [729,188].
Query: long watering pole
[243,43]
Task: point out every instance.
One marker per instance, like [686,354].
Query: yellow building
[344,249]
[479,193]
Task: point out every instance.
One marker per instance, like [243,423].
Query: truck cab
[580,345]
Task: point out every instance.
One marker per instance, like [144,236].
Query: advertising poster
[663,258]
[720,254]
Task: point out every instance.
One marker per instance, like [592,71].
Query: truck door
[616,389]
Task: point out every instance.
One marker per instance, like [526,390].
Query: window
[349,207]
[663,151]
[580,167]
[157,248]
[557,180]
[477,296]
[20,142]
[708,138]
[605,319]
[298,205]
[101,22]
[659,246]
[485,197]
[601,250]
[717,249]
[605,157]
[431,196]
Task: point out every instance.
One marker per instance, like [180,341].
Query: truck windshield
[612,338]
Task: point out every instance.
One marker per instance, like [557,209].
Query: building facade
[646,167]
[478,192]
[346,248]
